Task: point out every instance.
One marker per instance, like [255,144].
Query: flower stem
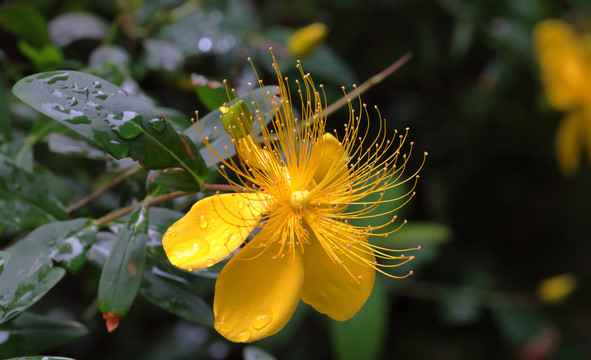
[374,80]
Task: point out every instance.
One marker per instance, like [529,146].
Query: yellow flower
[565,62]
[296,184]
[556,289]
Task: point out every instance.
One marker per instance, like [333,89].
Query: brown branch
[149,201]
[101,190]
[376,79]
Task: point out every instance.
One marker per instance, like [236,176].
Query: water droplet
[189,268]
[125,124]
[80,90]
[241,205]
[244,336]
[171,233]
[95,105]
[262,320]
[158,124]
[100,95]
[210,262]
[117,149]
[53,77]
[204,222]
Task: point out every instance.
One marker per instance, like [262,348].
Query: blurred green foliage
[492,212]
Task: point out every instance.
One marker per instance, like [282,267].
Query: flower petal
[331,156]
[213,228]
[562,61]
[257,292]
[569,141]
[329,287]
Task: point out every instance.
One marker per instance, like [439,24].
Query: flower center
[299,199]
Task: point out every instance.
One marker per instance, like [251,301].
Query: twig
[98,192]
[376,79]
[147,201]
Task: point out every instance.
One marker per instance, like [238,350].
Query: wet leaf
[30,271]
[118,122]
[30,333]
[26,201]
[68,145]
[124,268]
[176,291]
[174,179]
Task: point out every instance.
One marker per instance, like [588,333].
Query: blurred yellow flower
[556,289]
[565,62]
[295,184]
[304,41]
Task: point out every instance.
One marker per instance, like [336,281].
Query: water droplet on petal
[262,320]
[189,268]
[244,336]
[241,205]
[204,222]
[171,233]
[210,262]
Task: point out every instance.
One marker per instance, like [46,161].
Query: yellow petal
[565,72]
[257,292]
[330,155]
[329,287]
[306,40]
[213,228]
[568,141]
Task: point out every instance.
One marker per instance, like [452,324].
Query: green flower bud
[237,120]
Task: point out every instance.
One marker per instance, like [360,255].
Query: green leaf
[25,22]
[176,291]
[174,179]
[422,233]
[363,336]
[125,265]
[47,57]
[5,116]
[26,201]
[211,125]
[211,93]
[30,333]
[30,271]
[116,121]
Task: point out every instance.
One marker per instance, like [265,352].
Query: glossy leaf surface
[30,271]
[31,333]
[116,121]
[124,268]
